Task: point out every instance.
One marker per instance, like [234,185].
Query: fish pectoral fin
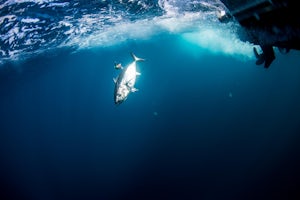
[134,89]
[115,80]
[138,73]
[118,65]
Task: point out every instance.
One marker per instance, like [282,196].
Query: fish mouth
[121,96]
[118,102]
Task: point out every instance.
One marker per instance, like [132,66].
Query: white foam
[11,2]
[126,30]
[168,7]
[220,41]
[192,27]
[103,29]
[59,4]
[30,20]
[8,17]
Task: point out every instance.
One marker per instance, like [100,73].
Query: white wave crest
[192,27]
[108,27]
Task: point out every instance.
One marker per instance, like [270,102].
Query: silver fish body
[124,84]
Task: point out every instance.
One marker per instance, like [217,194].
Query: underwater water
[206,123]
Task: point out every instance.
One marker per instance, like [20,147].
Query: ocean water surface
[206,123]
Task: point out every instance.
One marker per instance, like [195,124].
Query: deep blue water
[206,123]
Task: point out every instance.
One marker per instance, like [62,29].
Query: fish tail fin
[136,58]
